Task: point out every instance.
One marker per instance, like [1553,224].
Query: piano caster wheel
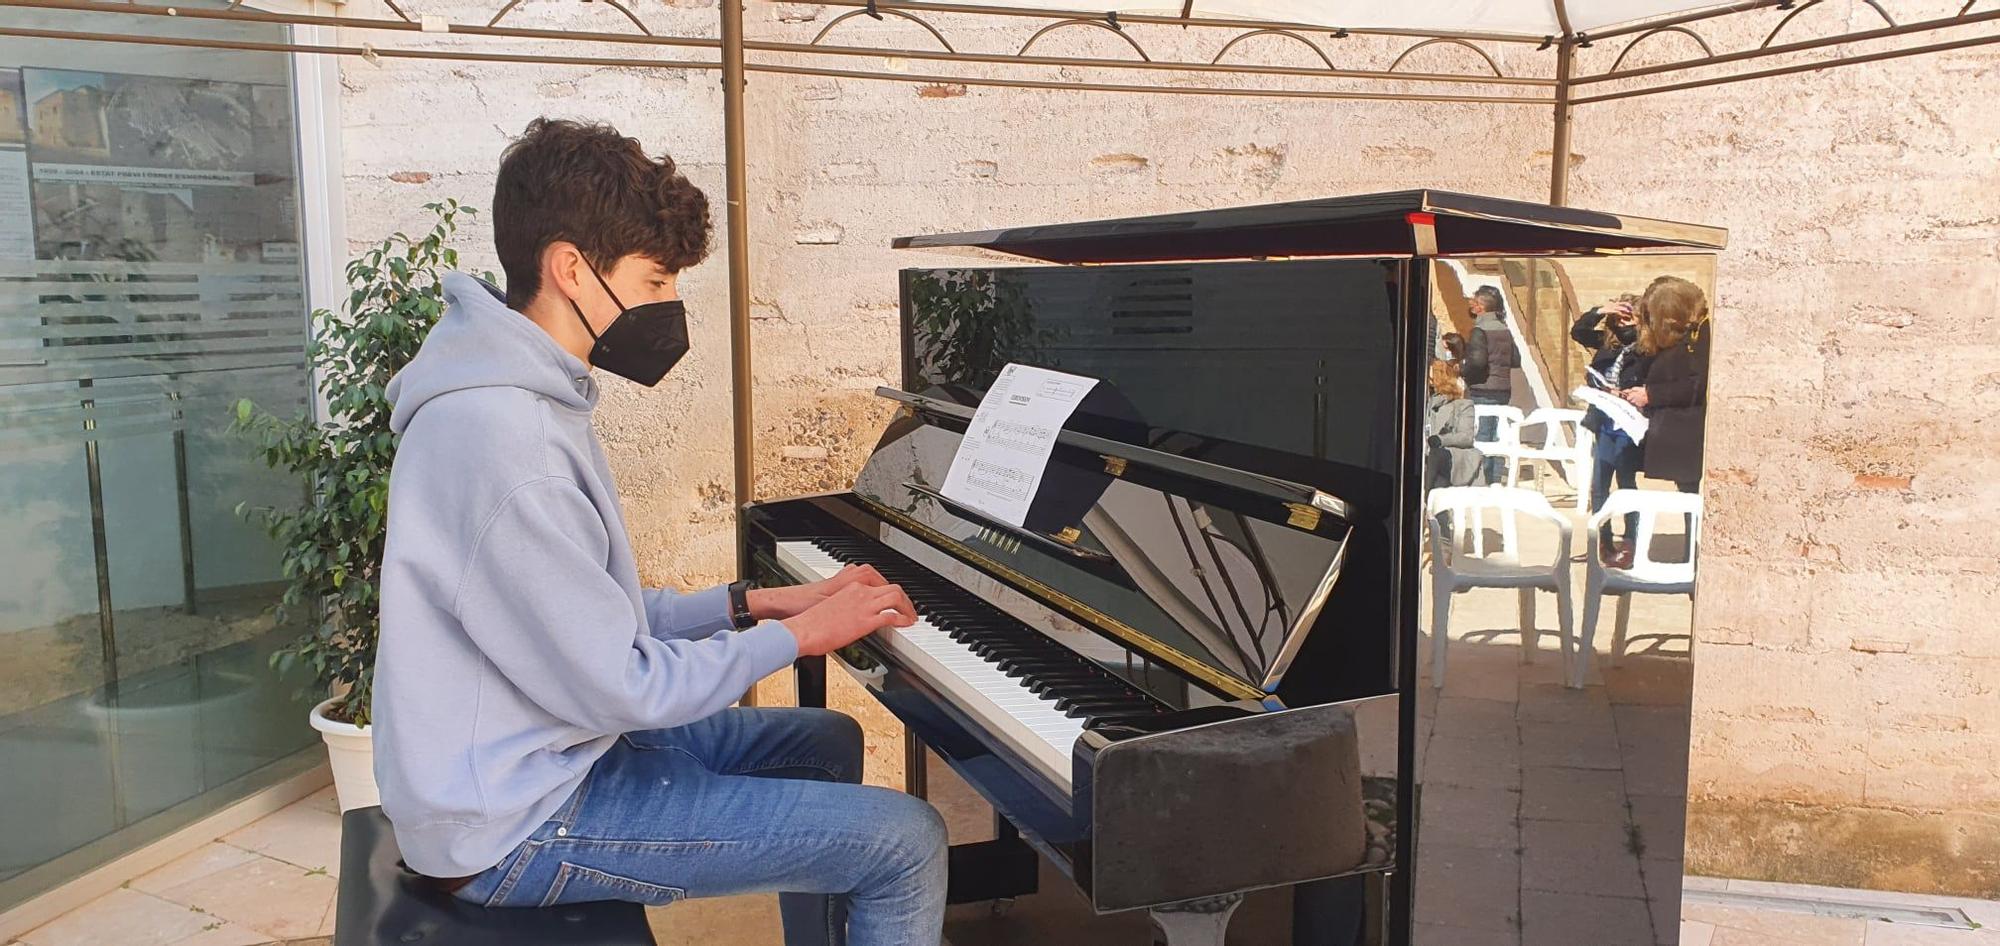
[1194,922]
[1001,907]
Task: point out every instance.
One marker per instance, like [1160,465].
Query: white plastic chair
[1454,571]
[1564,442]
[1506,444]
[1646,576]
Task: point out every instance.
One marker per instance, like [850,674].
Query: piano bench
[382,903]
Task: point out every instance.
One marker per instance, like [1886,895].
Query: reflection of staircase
[1547,295]
[1457,279]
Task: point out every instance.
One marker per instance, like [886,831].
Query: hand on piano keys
[1033,693]
[782,603]
[853,612]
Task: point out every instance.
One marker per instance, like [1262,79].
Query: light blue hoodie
[517,643]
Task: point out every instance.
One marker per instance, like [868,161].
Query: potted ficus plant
[331,544]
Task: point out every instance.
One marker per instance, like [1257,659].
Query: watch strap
[739,605]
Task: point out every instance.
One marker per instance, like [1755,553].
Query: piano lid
[1217,572]
[1359,225]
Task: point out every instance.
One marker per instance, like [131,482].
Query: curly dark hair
[588,185]
[1490,298]
[1454,346]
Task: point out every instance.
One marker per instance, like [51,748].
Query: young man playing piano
[547,731]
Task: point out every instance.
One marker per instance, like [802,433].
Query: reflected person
[1488,369]
[1451,460]
[1611,333]
[1676,333]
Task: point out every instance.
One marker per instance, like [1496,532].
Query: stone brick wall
[1846,700]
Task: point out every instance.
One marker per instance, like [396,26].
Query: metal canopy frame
[1563,76]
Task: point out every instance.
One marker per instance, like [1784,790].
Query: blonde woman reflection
[1675,332]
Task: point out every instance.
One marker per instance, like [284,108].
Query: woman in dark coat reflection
[1611,333]
[1675,330]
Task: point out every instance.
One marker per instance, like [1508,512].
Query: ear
[564,270]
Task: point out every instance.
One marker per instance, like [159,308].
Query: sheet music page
[1623,415]
[1000,462]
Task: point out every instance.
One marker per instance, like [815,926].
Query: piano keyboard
[1033,693]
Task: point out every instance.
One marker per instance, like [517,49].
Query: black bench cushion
[383,904]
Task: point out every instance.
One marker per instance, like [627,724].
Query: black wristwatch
[739,605]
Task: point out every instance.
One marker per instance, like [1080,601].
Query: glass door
[150,275]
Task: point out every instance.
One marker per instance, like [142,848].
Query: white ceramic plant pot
[350,749]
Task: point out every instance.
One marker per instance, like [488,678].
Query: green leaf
[330,542]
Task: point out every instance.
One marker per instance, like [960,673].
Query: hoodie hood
[480,343]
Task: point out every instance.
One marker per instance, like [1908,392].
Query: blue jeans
[1489,431]
[1624,465]
[745,801]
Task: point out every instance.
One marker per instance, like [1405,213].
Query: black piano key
[1092,691]
[949,612]
[1058,687]
[1068,671]
[999,649]
[1046,667]
[1081,707]
[1004,650]
[1015,666]
[1113,717]
[984,634]
[1051,677]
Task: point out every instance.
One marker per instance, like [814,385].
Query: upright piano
[1190,672]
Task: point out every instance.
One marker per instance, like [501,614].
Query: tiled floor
[1552,815]
[273,882]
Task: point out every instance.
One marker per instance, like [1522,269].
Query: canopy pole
[1559,154]
[743,446]
[743,449]
[739,250]
[1565,67]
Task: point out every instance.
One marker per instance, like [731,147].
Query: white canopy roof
[1528,18]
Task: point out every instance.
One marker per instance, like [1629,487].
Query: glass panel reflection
[152,277]
[1564,421]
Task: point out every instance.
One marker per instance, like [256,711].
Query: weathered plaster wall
[420,131]
[1847,696]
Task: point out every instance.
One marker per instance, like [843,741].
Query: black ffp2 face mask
[643,343]
[1626,334]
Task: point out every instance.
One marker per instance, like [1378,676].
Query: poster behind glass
[159,168]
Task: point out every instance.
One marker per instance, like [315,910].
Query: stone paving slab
[224,895]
